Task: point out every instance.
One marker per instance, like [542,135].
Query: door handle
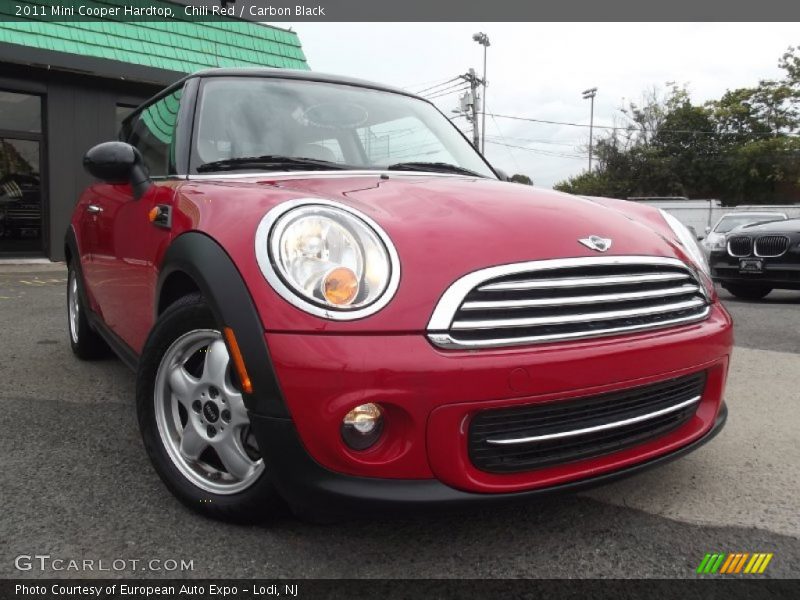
[93,209]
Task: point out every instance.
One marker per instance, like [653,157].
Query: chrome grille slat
[583,318]
[581,282]
[532,436]
[586,430]
[573,300]
[771,246]
[567,299]
[447,341]
[740,246]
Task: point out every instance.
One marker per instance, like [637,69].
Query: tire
[748,291]
[85,342]
[193,421]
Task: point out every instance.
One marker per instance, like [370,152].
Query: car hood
[443,227]
[477,223]
[780,226]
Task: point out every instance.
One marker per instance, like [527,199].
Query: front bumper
[430,395]
[312,489]
[782,272]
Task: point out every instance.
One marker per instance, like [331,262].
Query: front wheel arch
[191,451]
[196,259]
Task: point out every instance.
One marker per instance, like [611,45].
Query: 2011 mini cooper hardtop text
[330,298]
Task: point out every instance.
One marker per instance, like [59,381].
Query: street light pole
[483,40]
[589,95]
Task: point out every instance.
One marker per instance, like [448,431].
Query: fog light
[362,426]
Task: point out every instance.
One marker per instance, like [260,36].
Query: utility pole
[589,95]
[483,40]
[469,105]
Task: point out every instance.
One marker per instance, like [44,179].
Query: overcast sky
[539,70]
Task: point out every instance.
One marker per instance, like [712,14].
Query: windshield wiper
[437,167]
[271,162]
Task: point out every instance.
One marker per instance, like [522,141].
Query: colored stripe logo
[734,563]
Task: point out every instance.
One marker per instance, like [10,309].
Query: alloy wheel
[201,417]
[73,306]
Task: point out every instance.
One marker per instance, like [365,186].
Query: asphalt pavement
[76,483]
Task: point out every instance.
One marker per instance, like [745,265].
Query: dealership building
[66,86]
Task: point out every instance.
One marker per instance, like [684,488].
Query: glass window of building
[20,173]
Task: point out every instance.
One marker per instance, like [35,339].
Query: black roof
[292,74]
[271,72]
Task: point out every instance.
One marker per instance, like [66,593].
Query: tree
[520,178]
[741,148]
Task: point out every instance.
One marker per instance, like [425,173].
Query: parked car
[715,236]
[330,298]
[759,258]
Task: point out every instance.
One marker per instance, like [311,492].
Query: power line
[450,87]
[455,91]
[538,150]
[437,85]
[427,82]
[540,141]
[503,137]
[611,127]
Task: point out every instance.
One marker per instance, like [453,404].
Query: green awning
[179,45]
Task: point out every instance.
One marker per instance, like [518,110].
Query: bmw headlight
[327,258]
[687,241]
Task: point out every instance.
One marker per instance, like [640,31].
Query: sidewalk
[27,265]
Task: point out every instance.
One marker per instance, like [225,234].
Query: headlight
[327,258]
[688,241]
[717,244]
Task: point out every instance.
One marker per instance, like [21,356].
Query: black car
[759,258]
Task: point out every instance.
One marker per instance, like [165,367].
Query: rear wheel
[86,344]
[748,291]
[193,420]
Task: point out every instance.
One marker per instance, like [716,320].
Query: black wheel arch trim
[202,259]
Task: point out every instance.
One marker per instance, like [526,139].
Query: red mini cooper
[330,298]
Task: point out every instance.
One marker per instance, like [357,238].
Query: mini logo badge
[595,242]
[210,412]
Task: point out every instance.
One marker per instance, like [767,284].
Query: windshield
[342,125]
[730,222]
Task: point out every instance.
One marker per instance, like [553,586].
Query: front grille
[740,245]
[568,299]
[771,245]
[529,437]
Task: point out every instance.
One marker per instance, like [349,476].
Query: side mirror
[708,229]
[503,175]
[118,162]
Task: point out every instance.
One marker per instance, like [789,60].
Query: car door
[122,271]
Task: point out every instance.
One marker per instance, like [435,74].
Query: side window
[120,114]
[152,131]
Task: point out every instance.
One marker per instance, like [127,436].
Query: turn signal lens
[362,426]
[238,360]
[340,286]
